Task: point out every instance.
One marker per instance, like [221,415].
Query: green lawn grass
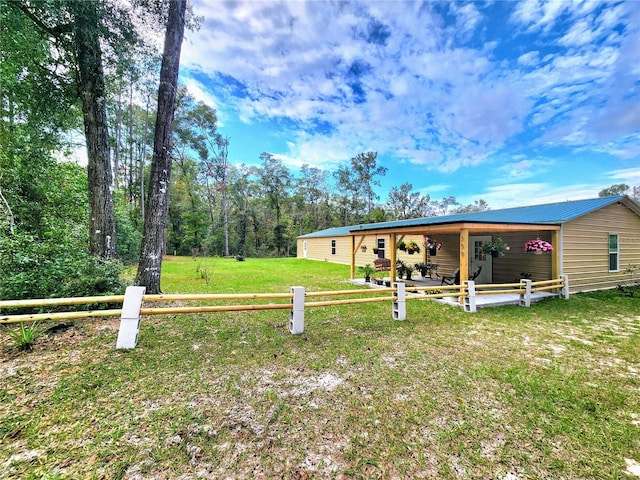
[508,392]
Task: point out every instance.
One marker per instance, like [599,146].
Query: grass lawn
[550,391]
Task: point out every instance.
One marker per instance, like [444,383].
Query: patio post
[555,255]
[392,256]
[353,257]
[464,257]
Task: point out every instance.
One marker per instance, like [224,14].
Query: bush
[128,234]
[30,268]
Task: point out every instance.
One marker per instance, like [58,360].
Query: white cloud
[538,14]
[425,99]
[467,17]
[529,59]
[580,33]
[630,176]
[522,194]
[523,169]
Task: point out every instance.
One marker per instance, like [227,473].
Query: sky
[515,103]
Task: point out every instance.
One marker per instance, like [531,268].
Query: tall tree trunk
[102,225]
[118,139]
[143,157]
[223,158]
[131,141]
[157,209]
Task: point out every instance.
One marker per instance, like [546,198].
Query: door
[477,258]
[304,249]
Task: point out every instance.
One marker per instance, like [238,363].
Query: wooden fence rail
[132,302]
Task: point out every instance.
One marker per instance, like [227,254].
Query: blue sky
[513,102]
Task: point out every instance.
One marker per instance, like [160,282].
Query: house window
[380,248]
[333,247]
[614,252]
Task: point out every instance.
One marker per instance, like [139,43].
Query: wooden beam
[555,258]
[355,250]
[464,258]
[464,255]
[392,256]
[456,228]
[353,257]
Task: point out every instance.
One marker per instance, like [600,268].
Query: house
[594,242]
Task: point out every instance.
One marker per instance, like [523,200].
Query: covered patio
[463,248]
[593,241]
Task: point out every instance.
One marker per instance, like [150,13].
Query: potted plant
[402,246]
[401,269]
[367,270]
[408,270]
[422,268]
[495,247]
[404,270]
[412,247]
[375,250]
[432,245]
[538,246]
[363,248]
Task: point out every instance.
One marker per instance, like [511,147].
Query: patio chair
[476,272]
[451,279]
[455,278]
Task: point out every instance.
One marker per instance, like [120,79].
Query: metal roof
[547,214]
[331,232]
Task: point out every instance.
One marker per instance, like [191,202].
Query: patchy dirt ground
[467,399]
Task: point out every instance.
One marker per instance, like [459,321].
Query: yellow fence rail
[433,292]
[294,301]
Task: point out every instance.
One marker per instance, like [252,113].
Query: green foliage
[495,247]
[614,190]
[367,270]
[24,337]
[205,271]
[47,256]
[422,268]
[128,231]
[404,270]
[33,268]
[412,247]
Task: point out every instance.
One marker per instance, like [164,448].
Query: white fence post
[525,297]
[564,293]
[470,297]
[400,304]
[296,317]
[130,318]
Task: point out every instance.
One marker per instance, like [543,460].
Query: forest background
[67,229]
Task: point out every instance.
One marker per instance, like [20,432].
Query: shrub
[31,268]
